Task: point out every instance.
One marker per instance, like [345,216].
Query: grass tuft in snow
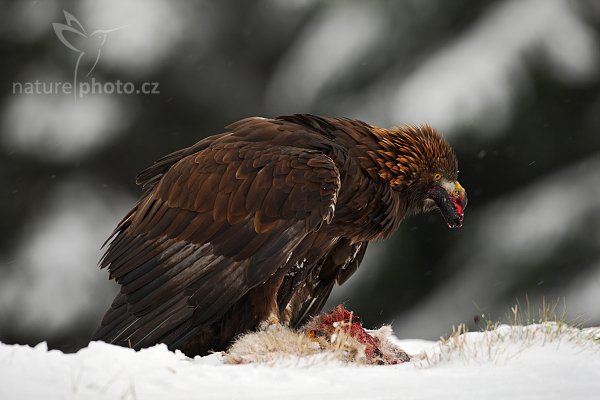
[498,343]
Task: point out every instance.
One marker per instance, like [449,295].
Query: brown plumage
[258,223]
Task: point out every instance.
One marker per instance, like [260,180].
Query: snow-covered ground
[534,362]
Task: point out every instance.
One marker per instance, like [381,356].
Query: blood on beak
[460,195]
[451,200]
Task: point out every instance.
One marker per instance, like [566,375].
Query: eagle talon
[269,324]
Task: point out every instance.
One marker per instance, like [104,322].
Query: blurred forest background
[513,84]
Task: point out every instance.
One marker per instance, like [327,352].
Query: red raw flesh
[457,201]
[327,324]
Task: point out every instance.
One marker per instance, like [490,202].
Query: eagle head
[423,167]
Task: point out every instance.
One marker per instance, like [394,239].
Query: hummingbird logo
[89,46]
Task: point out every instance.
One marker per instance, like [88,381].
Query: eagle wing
[212,225]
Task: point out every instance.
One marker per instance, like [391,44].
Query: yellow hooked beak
[460,194]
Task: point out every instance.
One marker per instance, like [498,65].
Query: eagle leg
[264,299]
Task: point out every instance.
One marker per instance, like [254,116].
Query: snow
[538,361]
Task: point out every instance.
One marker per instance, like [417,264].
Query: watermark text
[81,89]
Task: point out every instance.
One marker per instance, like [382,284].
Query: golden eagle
[257,224]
